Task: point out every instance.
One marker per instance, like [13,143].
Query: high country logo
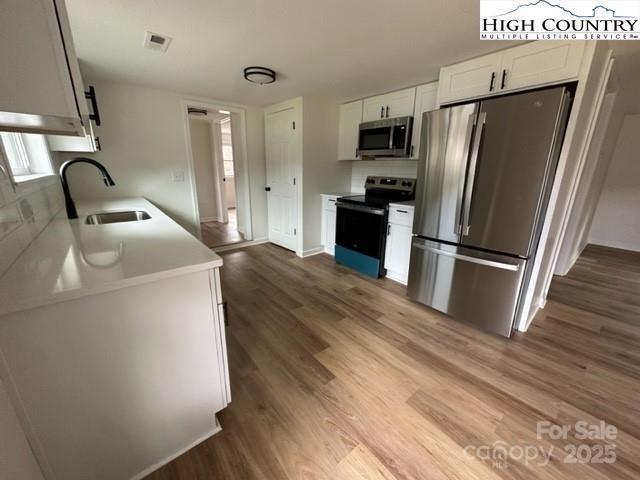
[560,19]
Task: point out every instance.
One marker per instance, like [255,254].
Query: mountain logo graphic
[597,11]
[560,19]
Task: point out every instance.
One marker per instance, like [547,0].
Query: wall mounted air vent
[155,41]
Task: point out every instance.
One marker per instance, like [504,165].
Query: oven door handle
[358,208]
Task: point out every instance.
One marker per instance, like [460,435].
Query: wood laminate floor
[216,234]
[335,376]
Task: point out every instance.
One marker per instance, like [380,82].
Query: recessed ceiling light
[261,75]
[155,41]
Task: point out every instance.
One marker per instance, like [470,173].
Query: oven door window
[360,231]
[375,138]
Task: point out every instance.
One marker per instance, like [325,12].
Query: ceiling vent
[155,41]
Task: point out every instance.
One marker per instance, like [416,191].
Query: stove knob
[405,184]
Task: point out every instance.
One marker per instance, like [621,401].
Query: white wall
[596,165]
[617,219]
[24,214]
[230,192]
[201,140]
[144,142]
[321,171]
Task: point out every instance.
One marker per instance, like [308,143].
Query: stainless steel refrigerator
[484,179]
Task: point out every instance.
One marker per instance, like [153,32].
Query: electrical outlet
[178,176]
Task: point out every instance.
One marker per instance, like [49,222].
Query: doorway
[219,179]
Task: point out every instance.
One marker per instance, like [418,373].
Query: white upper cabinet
[541,62]
[41,89]
[350,119]
[389,105]
[426,100]
[473,78]
[63,143]
[529,65]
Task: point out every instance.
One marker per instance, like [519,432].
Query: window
[27,154]
[227,147]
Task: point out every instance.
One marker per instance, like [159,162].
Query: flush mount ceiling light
[196,111]
[261,75]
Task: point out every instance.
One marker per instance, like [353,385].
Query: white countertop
[408,203]
[70,259]
[340,194]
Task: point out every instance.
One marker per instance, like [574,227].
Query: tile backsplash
[24,213]
[391,168]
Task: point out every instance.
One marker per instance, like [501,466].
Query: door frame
[296,105]
[218,168]
[240,158]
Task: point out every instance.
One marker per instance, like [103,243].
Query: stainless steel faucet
[71,207]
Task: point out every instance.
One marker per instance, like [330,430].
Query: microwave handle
[393,127]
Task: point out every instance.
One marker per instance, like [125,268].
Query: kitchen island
[113,343]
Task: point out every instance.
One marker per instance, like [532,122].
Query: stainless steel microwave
[385,138]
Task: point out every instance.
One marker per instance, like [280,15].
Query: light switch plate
[178,176]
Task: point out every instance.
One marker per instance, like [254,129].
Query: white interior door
[282,160]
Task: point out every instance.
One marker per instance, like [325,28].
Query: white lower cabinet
[398,248]
[329,223]
[111,385]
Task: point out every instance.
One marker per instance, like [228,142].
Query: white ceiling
[346,48]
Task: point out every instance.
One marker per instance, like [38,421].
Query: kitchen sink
[117,217]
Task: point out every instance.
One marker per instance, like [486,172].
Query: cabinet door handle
[267,189]
[387,115]
[402,211]
[493,81]
[412,150]
[332,200]
[91,95]
[388,229]
[382,112]
[504,78]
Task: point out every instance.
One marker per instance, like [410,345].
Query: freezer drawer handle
[480,261]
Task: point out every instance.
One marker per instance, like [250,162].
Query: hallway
[216,234]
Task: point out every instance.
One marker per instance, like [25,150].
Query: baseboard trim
[631,247]
[566,268]
[234,246]
[312,251]
[217,428]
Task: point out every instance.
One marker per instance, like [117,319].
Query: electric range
[361,223]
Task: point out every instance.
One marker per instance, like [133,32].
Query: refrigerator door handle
[480,261]
[471,177]
[465,155]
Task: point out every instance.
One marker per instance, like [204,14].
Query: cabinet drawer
[401,216]
[329,204]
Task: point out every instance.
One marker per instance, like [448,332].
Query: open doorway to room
[219,174]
